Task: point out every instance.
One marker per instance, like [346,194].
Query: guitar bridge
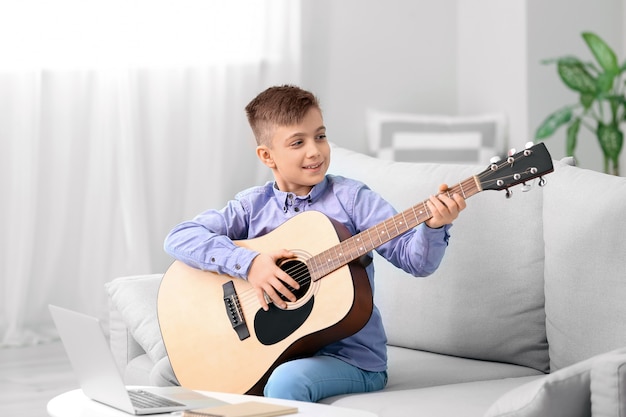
[233,311]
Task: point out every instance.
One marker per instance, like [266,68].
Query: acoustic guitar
[217,336]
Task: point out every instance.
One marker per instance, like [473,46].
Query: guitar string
[300,275]
[300,272]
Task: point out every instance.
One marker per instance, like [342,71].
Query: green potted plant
[601,107]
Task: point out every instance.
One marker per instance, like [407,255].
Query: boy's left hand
[444,208]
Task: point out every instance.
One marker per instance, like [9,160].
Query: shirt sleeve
[206,242]
[419,251]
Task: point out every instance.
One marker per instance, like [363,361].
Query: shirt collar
[288,198]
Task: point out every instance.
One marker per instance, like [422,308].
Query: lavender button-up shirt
[206,242]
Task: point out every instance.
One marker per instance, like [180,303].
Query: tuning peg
[529,145]
[542,181]
[526,187]
[508,193]
[495,159]
[510,159]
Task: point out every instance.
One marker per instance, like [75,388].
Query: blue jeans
[311,379]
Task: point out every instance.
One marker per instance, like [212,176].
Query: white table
[76,404]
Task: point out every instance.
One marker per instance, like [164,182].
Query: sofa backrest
[585,276]
[486,300]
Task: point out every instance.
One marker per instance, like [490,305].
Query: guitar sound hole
[299,272]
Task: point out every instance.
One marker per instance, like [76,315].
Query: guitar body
[208,353]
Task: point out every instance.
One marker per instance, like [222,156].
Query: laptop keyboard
[145,399]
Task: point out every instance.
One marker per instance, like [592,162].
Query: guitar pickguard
[276,324]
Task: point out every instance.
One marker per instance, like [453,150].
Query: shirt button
[212,259]
[237,266]
[296,209]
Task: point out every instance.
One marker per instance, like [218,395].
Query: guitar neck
[358,245]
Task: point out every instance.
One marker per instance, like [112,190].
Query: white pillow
[135,298]
[410,137]
[608,387]
[564,393]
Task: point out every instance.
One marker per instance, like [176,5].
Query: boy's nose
[313,149]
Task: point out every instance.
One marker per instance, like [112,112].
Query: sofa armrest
[123,346]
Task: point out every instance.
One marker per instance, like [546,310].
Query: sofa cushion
[486,299]
[585,280]
[470,399]
[411,368]
[564,393]
[608,386]
[135,299]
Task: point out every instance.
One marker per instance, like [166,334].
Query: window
[136,33]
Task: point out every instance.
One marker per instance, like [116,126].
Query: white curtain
[116,123]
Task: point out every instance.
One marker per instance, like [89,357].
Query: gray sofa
[525,316]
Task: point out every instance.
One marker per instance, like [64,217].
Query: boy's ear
[264,154]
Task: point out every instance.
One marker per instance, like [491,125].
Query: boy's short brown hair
[283,105]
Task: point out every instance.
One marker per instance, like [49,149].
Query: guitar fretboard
[356,246]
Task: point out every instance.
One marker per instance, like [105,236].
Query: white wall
[398,55]
[451,57]
[492,59]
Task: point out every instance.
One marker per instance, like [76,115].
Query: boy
[291,137]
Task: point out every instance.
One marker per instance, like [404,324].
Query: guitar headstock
[533,162]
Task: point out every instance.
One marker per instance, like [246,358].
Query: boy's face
[300,154]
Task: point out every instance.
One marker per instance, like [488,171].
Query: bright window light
[123,33]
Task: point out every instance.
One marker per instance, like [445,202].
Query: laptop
[99,378]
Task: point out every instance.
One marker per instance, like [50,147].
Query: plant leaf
[605,81]
[570,59]
[553,122]
[572,137]
[587,100]
[575,76]
[603,52]
[611,140]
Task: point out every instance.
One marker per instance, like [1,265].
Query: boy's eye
[321,137]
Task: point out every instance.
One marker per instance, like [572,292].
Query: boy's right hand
[266,277]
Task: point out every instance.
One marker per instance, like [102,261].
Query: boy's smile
[299,155]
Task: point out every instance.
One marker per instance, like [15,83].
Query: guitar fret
[336,257]
[358,242]
[426,210]
[395,224]
[415,215]
[403,221]
[462,190]
[383,235]
[314,268]
[368,234]
[381,232]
